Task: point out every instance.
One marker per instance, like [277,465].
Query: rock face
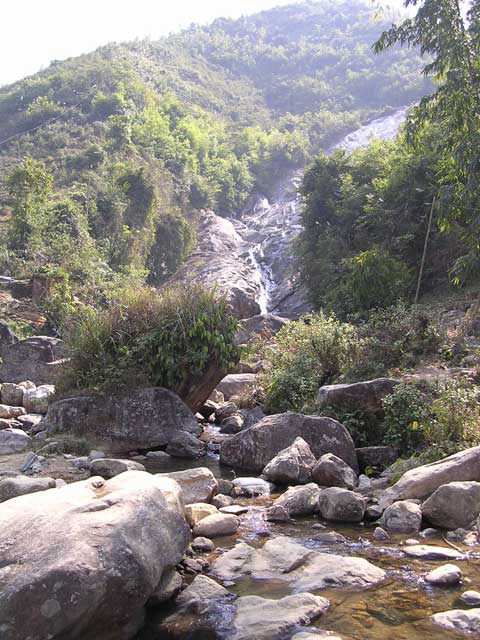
[139,419]
[341,505]
[423,481]
[466,622]
[36,359]
[235,384]
[402,517]
[37,400]
[331,471]
[359,396]
[304,569]
[198,485]
[14,441]
[299,501]
[21,485]
[453,505]
[293,465]
[71,582]
[254,447]
[265,325]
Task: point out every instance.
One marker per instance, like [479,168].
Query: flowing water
[269,228]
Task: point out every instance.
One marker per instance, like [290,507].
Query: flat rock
[197,511]
[234,509]
[431,552]
[357,396]
[198,485]
[11,413]
[110,467]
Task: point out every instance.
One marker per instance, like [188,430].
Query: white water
[270,227]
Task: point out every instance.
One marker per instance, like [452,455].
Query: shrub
[306,355]
[169,339]
[406,413]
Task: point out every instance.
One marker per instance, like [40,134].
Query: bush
[168,340]
[306,355]
[406,413]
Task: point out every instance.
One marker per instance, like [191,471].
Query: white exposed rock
[293,465]
[364,483]
[431,552]
[341,505]
[300,501]
[332,471]
[471,598]
[234,509]
[9,413]
[448,575]
[110,467]
[215,525]
[252,487]
[37,400]
[21,485]
[221,501]
[96,455]
[198,485]
[402,517]
[466,622]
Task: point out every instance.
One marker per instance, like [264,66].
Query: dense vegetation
[117,151]
[367,216]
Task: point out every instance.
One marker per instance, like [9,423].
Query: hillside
[138,137]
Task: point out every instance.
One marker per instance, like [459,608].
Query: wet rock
[197,511]
[202,545]
[402,517]
[186,445]
[331,471]
[300,501]
[277,513]
[358,396]
[38,359]
[265,325]
[306,570]
[138,419]
[225,486]
[341,505]
[111,467]
[158,456]
[221,500]
[453,505]
[226,410]
[234,509]
[253,448]
[236,384]
[12,394]
[198,485]
[463,536]
[219,524]
[466,622]
[86,536]
[329,537]
[380,534]
[264,619]
[471,598]
[21,485]
[232,424]
[448,575]
[423,481]
[431,552]
[427,533]
[170,585]
[293,465]
[377,458]
[14,441]
[11,413]
[37,400]
[199,592]
[251,487]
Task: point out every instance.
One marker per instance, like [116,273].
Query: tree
[451,40]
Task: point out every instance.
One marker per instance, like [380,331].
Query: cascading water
[269,228]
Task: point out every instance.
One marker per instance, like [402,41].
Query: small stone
[225,486]
[158,456]
[110,467]
[252,487]
[374,512]
[234,509]
[448,575]
[465,622]
[82,463]
[341,505]
[364,483]
[332,471]
[329,537]
[202,545]
[197,511]
[380,534]
[471,598]
[428,533]
[96,455]
[277,513]
[221,501]
[410,542]
[402,517]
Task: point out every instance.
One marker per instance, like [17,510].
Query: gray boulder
[14,441]
[37,359]
[11,413]
[137,419]
[111,467]
[251,487]
[453,505]
[253,448]
[232,424]
[378,458]
[299,501]
[37,400]
[215,525]
[21,485]
[358,396]
[293,465]
[69,583]
[331,471]
[235,384]
[198,485]
[341,505]
[186,445]
[448,575]
[12,394]
[402,517]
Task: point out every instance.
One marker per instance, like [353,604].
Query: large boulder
[12,394]
[198,485]
[453,505]
[265,325]
[299,501]
[21,485]
[331,471]
[304,569]
[293,465]
[37,359]
[341,505]
[138,419]
[402,517]
[14,441]
[421,482]
[37,400]
[358,396]
[89,573]
[254,447]
[235,384]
